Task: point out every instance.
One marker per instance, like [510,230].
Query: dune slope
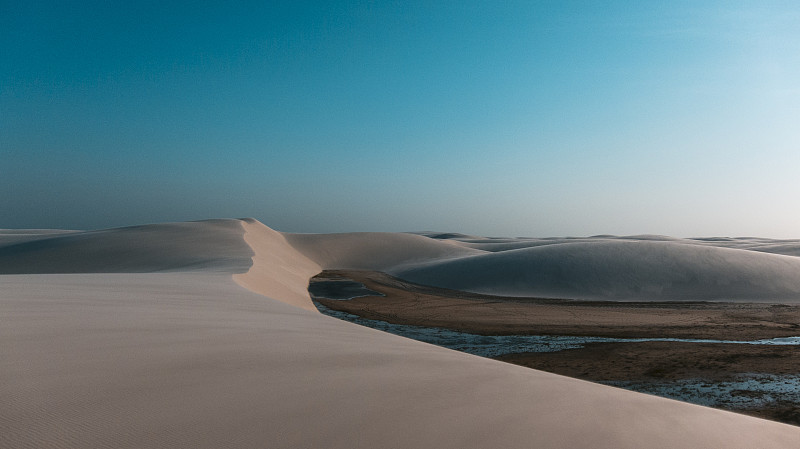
[279,271]
[378,251]
[619,270]
[214,245]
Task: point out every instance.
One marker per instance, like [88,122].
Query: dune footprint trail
[141,337]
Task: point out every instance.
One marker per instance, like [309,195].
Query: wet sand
[643,363]
[668,363]
[408,303]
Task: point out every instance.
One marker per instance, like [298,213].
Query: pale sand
[613,269]
[279,271]
[188,358]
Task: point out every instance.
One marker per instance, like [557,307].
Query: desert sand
[141,337]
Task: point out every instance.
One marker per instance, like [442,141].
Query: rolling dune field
[202,334]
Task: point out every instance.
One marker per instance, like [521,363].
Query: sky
[531,118]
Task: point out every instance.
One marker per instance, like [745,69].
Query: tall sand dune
[493,244]
[278,271]
[173,353]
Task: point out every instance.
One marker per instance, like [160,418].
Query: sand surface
[140,337]
[619,270]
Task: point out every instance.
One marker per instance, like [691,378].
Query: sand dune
[14,236]
[215,245]
[173,353]
[377,251]
[278,270]
[788,249]
[619,269]
[493,244]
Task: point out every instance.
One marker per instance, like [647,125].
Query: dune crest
[279,271]
[208,245]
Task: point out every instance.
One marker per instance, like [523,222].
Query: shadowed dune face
[215,245]
[14,236]
[378,251]
[641,268]
[619,270]
[786,247]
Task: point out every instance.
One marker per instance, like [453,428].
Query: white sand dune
[278,269]
[215,245]
[375,250]
[788,249]
[173,353]
[620,270]
[493,244]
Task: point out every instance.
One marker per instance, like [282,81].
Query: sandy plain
[202,334]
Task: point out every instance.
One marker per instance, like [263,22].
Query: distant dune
[641,268]
[375,250]
[214,245]
[145,337]
[618,269]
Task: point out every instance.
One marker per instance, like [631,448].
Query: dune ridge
[174,353]
[278,271]
[614,269]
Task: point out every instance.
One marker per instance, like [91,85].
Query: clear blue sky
[495,118]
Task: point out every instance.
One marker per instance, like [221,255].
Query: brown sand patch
[660,362]
[408,303]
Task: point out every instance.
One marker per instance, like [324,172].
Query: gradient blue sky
[494,118]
